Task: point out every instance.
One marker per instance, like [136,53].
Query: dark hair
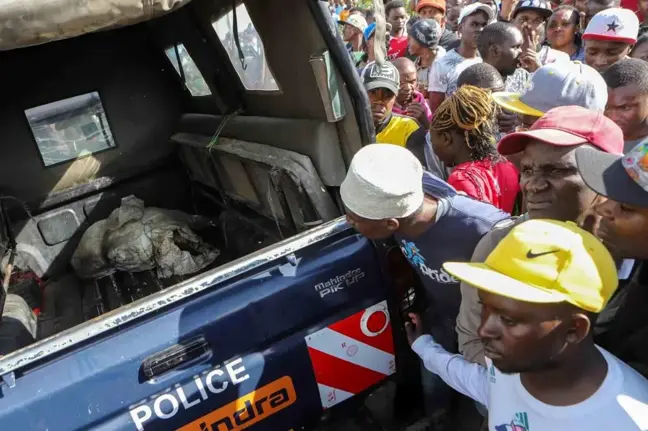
[369,13]
[358,9]
[471,112]
[394,4]
[493,34]
[627,72]
[643,38]
[575,15]
[481,75]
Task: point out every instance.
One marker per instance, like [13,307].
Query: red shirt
[397,48]
[633,5]
[496,182]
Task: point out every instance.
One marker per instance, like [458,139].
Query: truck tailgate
[271,348]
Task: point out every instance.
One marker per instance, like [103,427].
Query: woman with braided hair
[463,137]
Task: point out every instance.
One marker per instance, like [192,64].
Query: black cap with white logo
[385,76]
[427,32]
[543,7]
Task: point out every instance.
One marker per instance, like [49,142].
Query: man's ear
[494,50]
[392,224]
[447,139]
[580,328]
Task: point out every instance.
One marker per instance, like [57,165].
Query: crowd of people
[511,167]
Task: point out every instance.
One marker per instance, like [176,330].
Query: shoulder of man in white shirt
[624,392]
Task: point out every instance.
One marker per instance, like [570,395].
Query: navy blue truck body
[243,327]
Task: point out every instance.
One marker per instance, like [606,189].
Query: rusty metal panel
[33,22]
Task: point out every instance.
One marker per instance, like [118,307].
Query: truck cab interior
[239,112]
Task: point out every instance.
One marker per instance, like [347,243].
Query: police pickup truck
[230,125]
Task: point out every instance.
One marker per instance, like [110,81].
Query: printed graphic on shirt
[413,255]
[446,70]
[519,423]
[491,373]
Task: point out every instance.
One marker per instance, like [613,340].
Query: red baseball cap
[567,126]
[437,4]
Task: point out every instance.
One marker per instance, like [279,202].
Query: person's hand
[530,61]
[530,38]
[507,121]
[529,57]
[590,220]
[417,111]
[413,329]
[507,8]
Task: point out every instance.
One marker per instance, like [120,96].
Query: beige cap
[384,181]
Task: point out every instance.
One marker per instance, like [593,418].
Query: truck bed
[68,300]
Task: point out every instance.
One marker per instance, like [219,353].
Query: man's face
[532,19]
[408,84]
[430,12]
[397,18]
[601,54]
[472,26]
[374,230]
[414,48]
[349,32]
[628,108]
[508,53]
[640,52]
[452,20]
[382,101]
[623,229]
[581,5]
[521,337]
[551,184]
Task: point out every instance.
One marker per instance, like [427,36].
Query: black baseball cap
[543,7]
[427,32]
[623,179]
[386,76]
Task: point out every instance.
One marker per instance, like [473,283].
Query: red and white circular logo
[375,320]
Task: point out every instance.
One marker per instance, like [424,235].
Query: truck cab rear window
[253,68]
[71,128]
[194,80]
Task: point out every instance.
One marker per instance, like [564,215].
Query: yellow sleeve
[410,126]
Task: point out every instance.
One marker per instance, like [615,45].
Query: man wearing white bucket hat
[386,193]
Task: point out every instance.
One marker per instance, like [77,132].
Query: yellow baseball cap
[545,261]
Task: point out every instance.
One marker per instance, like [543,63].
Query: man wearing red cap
[551,186]
[436,10]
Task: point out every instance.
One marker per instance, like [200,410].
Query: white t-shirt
[549,55]
[620,404]
[446,70]
[423,73]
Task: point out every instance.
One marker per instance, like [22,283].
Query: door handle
[175,357]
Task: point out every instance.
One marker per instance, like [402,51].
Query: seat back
[279,184]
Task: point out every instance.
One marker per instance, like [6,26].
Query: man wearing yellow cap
[541,289]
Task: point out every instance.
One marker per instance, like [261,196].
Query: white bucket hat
[384,181]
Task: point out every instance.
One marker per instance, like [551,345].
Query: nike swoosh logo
[532,255]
